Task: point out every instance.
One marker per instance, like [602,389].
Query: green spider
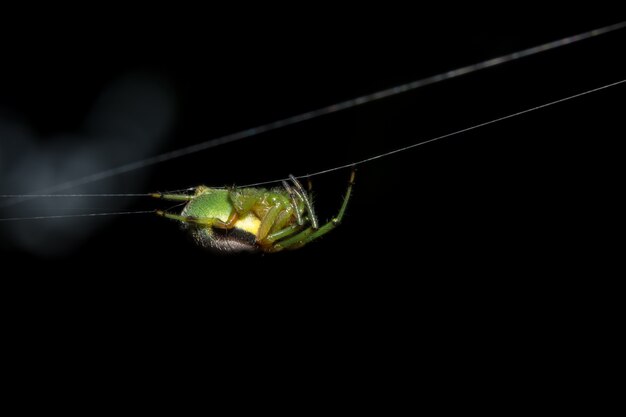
[252,219]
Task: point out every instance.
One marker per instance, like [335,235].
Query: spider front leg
[311,233]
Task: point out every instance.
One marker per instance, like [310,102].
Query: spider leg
[307,201]
[311,233]
[173,197]
[293,195]
[283,233]
[267,222]
[201,189]
[268,243]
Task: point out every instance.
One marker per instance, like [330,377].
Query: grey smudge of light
[130,120]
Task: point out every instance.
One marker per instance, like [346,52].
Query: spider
[253,219]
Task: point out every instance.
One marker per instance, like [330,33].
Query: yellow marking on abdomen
[250,223]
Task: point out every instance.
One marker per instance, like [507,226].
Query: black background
[468,236]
